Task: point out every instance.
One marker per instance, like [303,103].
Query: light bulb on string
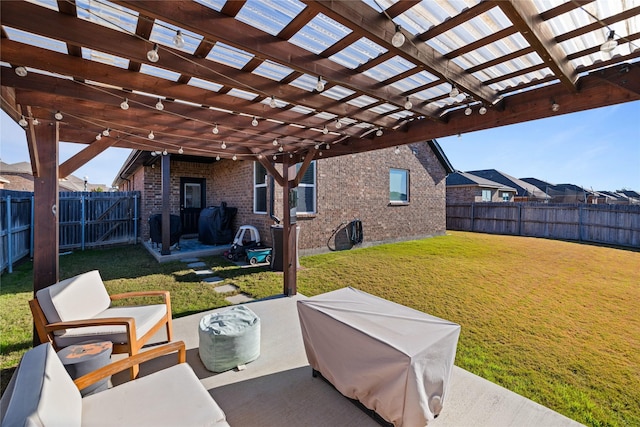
[316,146]
[180,151]
[280,149]
[275,142]
[468,111]
[218,157]
[152,55]
[291,155]
[125,104]
[159,105]
[164,152]
[98,137]
[106,132]
[482,110]
[178,40]
[454,91]
[398,38]
[338,124]
[151,135]
[320,84]
[215,129]
[21,71]
[275,157]
[328,147]
[36,122]
[379,132]
[610,44]
[397,150]
[259,156]
[272,103]
[153,154]
[408,104]
[223,146]
[23,122]
[254,122]
[325,130]
[58,115]
[234,158]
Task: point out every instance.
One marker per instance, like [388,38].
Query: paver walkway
[199,268]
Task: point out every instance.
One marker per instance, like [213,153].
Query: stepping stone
[214,279]
[225,289]
[190,259]
[203,272]
[197,264]
[238,299]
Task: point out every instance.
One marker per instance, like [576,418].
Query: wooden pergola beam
[88,153]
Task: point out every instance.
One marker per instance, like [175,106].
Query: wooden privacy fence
[608,224]
[86,220]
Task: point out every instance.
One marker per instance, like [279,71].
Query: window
[306,190]
[398,186]
[486,195]
[259,188]
[192,196]
[505,197]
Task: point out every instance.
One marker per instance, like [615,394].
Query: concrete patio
[278,388]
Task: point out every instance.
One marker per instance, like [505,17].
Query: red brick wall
[348,187]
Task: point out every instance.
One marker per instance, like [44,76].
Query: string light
[328,147]
[58,115]
[280,149]
[223,146]
[23,122]
[36,122]
[316,146]
[397,150]
[325,130]
[164,153]
[159,105]
[610,44]
[272,103]
[21,71]
[215,129]
[482,110]
[291,155]
[275,157]
[259,156]
[98,137]
[125,104]
[254,122]
[408,105]
[379,132]
[180,151]
[234,158]
[468,111]
[320,84]
[153,154]
[275,142]
[178,40]
[338,124]
[554,106]
[152,55]
[454,91]
[218,157]
[106,132]
[398,38]
[151,135]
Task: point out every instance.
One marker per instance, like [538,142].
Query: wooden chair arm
[129,322]
[120,365]
[163,294]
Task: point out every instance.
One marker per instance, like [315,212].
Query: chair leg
[135,369]
[169,330]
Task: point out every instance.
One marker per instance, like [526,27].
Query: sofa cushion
[43,393]
[145,316]
[171,397]
[80,297]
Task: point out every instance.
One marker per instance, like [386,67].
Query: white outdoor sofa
[41,393]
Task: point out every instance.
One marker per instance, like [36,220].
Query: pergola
[289,81]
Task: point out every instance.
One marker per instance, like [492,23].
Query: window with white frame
[506,197]
[306,190]
[259,188]
[486,195]
[398,185]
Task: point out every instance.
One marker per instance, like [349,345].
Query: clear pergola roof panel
[358,53]
[337,92]
[104,58]
[229,55]
[216,5]
[416,80]
[35,40]
[204,84]
[107,14]
[270,16]
[319,34]
[272,70]
[159,72]
[49,4]
[389,68]
[423,16]
[164,34]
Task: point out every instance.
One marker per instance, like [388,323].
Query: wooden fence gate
[86,220]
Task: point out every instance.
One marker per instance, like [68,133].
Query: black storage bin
[155,228]
[214,225]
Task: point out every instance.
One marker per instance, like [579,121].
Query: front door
[192,200]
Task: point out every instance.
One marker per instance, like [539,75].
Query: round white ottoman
[229,338]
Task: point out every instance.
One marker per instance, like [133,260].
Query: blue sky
[597,149]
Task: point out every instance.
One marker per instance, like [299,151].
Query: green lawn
[557,322]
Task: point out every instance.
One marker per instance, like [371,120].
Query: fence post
[82,221]
[31,237]
[519,219]
[472,205]
[9,245]
[135,217]
[580,222]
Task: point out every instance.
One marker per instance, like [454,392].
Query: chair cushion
[43,393]
[76,298]
[146,317]
[171,397]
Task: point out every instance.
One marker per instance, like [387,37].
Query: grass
[556,322]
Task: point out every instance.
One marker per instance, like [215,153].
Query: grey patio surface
[278,389]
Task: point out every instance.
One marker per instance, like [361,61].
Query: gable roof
[459,179]
[524,189]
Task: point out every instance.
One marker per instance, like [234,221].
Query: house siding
[348,187]
[466,194]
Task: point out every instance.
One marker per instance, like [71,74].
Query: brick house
[397,193]
[464,187]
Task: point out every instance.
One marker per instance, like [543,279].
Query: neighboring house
[525,192]
[398,194]
[3,181]
[463,187]
[563,193]
[19,177]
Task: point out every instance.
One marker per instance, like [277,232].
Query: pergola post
[166,205]
[46,234]
[289,262]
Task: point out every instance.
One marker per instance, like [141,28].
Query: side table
[87,356]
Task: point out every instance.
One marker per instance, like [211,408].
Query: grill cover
[395,360]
